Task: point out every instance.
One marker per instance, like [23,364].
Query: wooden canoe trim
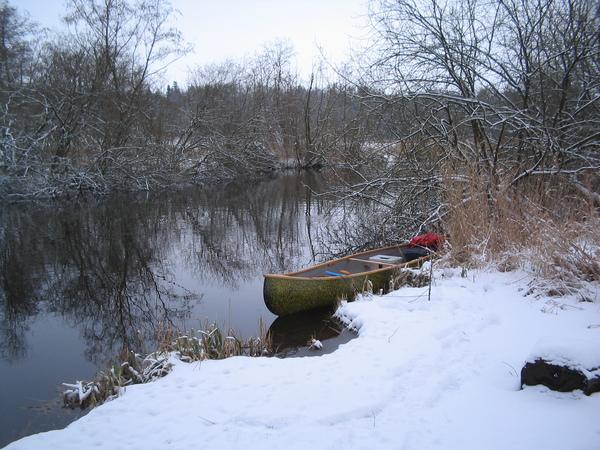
[372,262]
[331,262]
[326,277]
[414,263]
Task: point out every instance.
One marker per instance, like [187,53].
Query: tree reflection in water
[110,269]
[17,296]
[82,282]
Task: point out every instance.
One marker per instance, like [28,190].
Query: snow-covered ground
[440,373]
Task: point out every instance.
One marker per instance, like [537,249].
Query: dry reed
[197,345]
[541,225]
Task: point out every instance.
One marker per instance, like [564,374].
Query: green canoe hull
[286,294]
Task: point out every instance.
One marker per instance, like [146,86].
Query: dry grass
[409,277]
[197,345]
[108,384]
[543,226]
[212,343]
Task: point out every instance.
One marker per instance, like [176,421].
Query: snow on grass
[315,344]
[422,374]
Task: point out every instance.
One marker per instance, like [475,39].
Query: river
[82,281]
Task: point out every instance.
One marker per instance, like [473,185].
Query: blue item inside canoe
[333,274]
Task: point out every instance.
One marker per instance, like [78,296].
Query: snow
[79,391]
[422,374]
[315,344]
[581,354]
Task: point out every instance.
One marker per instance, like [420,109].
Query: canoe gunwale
[402,265]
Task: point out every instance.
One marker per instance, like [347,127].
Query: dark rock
[593,385]
[557,378]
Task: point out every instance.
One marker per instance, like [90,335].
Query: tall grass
[212,343]
[542,225]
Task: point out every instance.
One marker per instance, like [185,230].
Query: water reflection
[16,299]
[101,269]
[296,330]
[292,334]
[116,272]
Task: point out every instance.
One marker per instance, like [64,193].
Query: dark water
[80,283]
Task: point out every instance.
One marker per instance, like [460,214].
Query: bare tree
[129,44]
[84,118]
[500,91]
[16,35]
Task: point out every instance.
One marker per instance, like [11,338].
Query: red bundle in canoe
[432,241]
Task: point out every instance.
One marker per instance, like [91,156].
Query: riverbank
[438,372]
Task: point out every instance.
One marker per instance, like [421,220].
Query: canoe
[327,283]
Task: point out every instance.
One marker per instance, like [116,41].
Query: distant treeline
[447,90]
[84,111]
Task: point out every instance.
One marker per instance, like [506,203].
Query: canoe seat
[375,263]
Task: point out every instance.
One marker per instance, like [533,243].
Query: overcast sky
[222,29]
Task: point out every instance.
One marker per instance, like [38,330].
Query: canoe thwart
[374,263]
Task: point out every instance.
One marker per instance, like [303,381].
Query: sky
[232,29]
